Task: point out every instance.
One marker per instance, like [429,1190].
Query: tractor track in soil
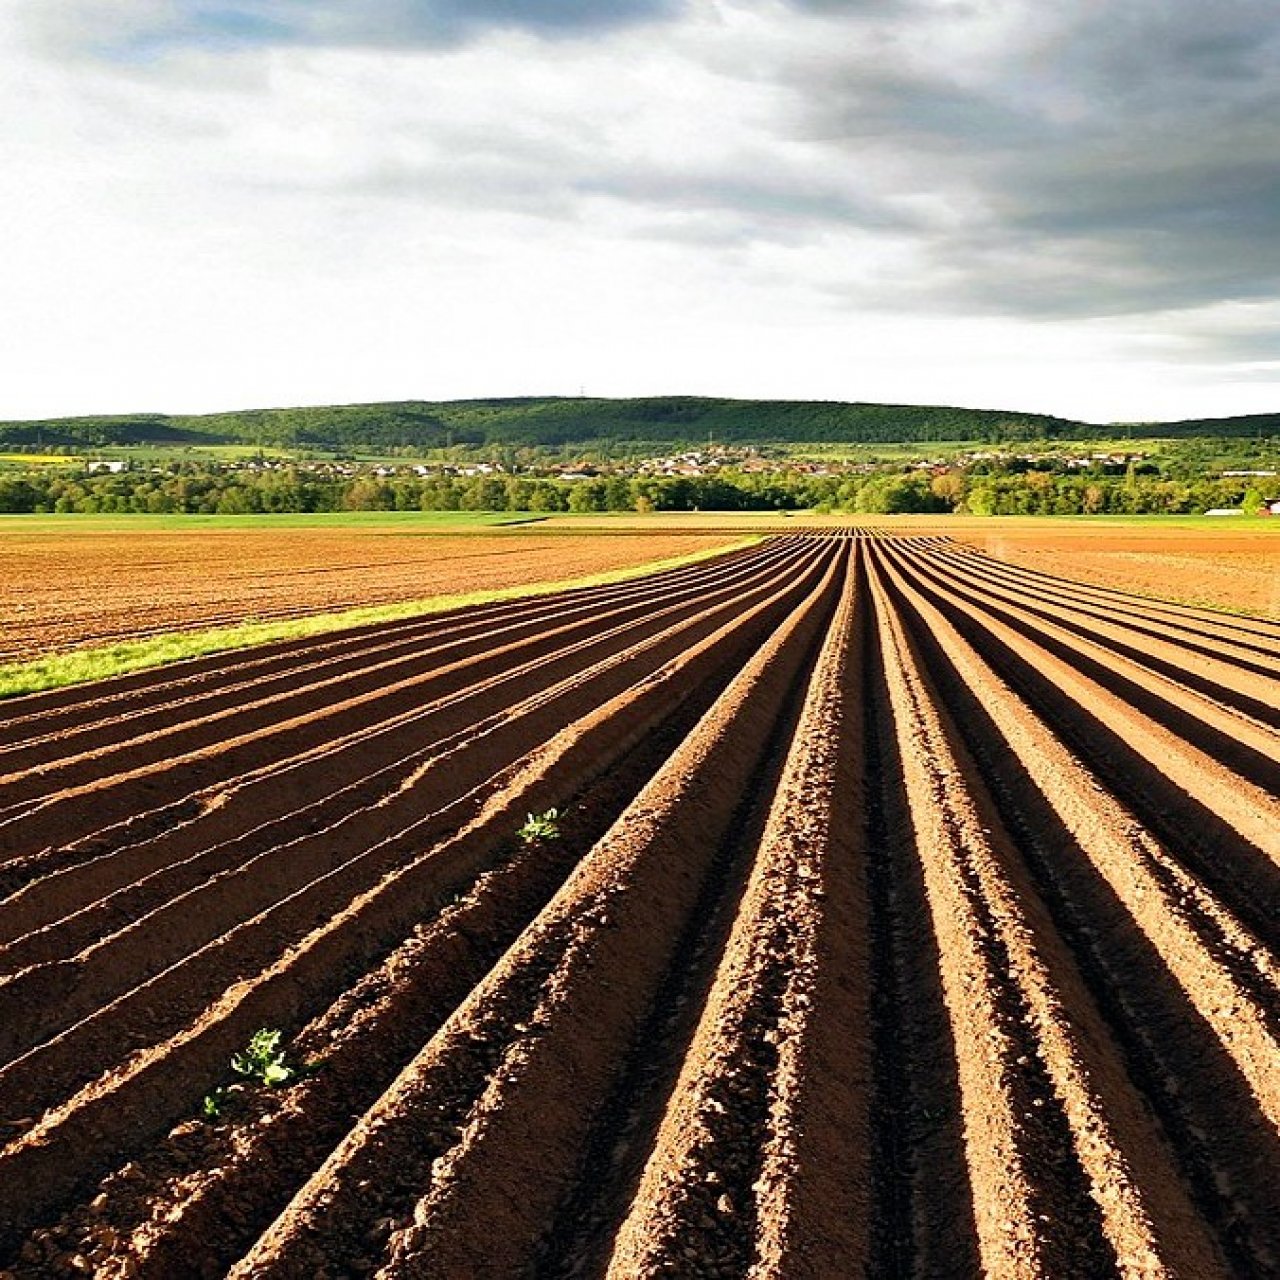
[911,915]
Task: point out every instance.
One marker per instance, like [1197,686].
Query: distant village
[691,463]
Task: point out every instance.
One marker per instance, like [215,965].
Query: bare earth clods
[910,914]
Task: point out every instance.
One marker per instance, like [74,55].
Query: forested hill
[558,421]
[1247,424]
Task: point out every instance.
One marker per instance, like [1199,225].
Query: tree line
[212,491]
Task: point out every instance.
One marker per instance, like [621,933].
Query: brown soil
[69,589]
[913,914]
[1219,571]
[1213,564]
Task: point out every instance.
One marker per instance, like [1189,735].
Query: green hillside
[554,421]
[1249,424]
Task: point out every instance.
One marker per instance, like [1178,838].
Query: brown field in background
[1213,569]
[60,589]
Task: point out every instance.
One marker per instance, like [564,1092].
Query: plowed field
[61,587]
[911,914]
[1218,570]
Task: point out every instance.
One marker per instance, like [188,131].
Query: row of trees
[214,492]
[220,492]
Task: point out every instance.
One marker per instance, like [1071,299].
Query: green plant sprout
[264,1060]
[541,826]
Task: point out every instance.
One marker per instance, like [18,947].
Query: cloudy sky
[1071,208]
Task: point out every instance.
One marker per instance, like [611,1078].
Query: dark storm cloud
[1176,54]
[1123,160]
[1145,229]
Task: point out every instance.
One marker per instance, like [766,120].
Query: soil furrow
[628,1116]
[924,1220]
[155,870]
[383,681]
[1185,1012]
[1258,634]
[752,1165]
[911,915]
[158,1085]
[196,1201]
[130,796]
[38,712]
[1245,746]
[1252,693]
[1048,1120]
[298,893]
[549,1025]
[1221,827]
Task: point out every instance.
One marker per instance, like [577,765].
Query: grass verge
[85,525]
[80,666]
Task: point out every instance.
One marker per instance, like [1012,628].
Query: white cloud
[900,202]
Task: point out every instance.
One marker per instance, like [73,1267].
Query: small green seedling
[263,1059]
[541,826]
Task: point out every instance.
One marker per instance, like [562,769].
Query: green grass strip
[79,666]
